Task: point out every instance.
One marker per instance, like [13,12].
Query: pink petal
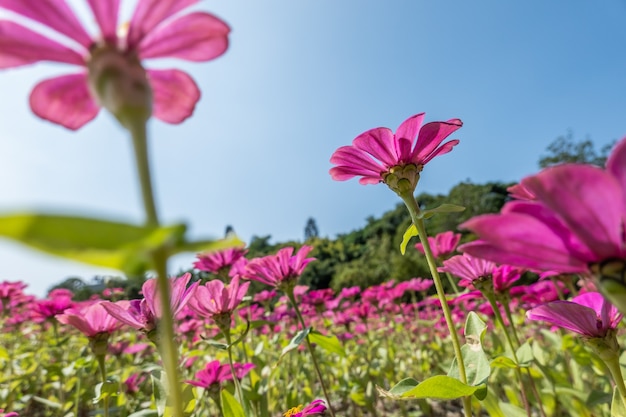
[175,95]
[380,143]
[53,13]
[149,13]
[616,163]
[431,135]
[121,313]
[106,12]
[568,315]
[590,201]
[408,130]
[195,37]
[149,292]
[352,162]
[442,150]
[21,46]
[64,100]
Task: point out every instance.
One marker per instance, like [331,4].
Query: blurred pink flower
[442,245]
[315,408]
[379,155]
[468,268]
[156,30]
[216,261]
[280,269]
[214,374]
[144,314]
[589,314]
[215,299]
[91,320]
[576,221]
[8,414]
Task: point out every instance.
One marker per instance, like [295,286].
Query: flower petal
[21,46]
[195,37]
[149,13]
[106,12]
[64,100]
[616,163]
[175,95]
[568,315]
[588,199]
[431,135]
[55,14]
[380,143]
[409,130]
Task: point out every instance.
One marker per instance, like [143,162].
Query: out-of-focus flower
[144,314]
[589,315]
[218,301]
[8,414]
[112,75]
[281,270]
[91,320]
[468,268]
[379,155]
[218,261]
[132,383]
[214,374]
[315,408]
[442,245]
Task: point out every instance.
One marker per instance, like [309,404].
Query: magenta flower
[575,223]
[442,245]
[157,30]
[214,374]
[216,299]
[91,320]
[217,261]
[144,314]
[588,314]
[315,408]
[279,269]
[468,268]
[379,155]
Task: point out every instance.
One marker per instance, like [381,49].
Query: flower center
[293,411]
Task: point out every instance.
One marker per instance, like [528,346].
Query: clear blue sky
[302,78]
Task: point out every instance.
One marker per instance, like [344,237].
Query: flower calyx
[403,179]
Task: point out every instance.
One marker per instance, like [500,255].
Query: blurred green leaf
[328,343]
[230,405]
[477,366]
[295,342]
[503,362]
[444,208]
[406,238]
[525,355]
[439,387]
[618,408]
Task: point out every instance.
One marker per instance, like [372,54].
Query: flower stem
[234,373]
[169,350]
[103,374]
[292,298]
[414,211]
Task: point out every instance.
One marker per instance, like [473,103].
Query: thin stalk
[292,298]
[233,372]
[452,284]
[103,374]
[414,211]
[616,372]
[169,350]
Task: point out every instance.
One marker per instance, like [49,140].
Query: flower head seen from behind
[442,245]
[215,373]
[111,75]
[281,270]
[315,408]
[217,261]
[379,155]
[217,301]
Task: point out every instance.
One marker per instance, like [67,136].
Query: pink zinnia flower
[315,408]
[214,374]
[216,299]
[110,63]
[379,155]
[217,261]
[468,268]
[144,314]
[588,314]
[575,223]
[91,320]
[280,269]
[442,245]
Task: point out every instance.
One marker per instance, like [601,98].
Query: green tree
[565,149]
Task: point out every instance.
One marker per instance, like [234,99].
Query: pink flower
[91,320]
[214,374]
[11,414]
[215,299]
[468,268]
[111,67]
[379,155]
[588,314]
[144,314]
[442,245]
[279,269]
[316,408]
[575,223]
[216,261]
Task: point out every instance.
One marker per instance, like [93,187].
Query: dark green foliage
[564,150]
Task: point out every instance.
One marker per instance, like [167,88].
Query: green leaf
[295,342]
[618,408]
[444,208]
[230,405]
[158,391]
[511,410]
[477,366]
[328,343]
[144,413]
[104,243]
[406,237]
[104,390]
[503,362]
[439,387]
[525,355]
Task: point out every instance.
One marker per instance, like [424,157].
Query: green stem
[292,298]
[169,350]
[616,372]
[452,284]
[103,374]
[234,373]
[415,211]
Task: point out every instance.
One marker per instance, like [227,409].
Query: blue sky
[302,78]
